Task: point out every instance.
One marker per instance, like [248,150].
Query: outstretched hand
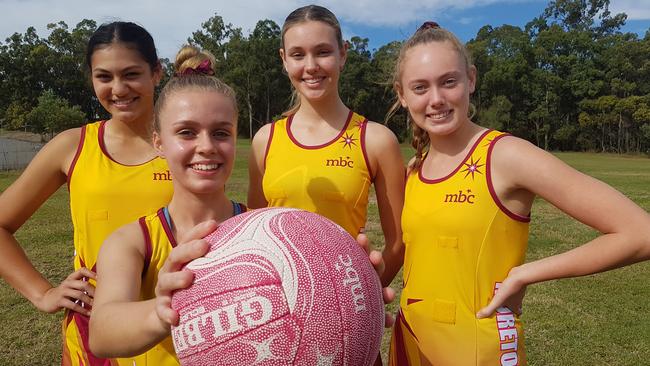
[510,294]
[74,293]
[171,277]
[377,261]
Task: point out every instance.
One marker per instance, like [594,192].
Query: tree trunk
[619,134]
[250,114]
[602,138]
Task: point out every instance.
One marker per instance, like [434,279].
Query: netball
[280,287]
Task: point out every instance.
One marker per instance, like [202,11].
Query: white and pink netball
[280,287]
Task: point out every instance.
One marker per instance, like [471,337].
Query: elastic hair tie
[204,68]
[428,25]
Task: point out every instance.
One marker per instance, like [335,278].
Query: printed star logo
[359,124]
[263,350]
[488,142]
[472,167]
[348,141]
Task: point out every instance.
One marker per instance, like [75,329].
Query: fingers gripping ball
[280,287]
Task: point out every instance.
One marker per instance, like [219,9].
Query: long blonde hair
[301,15]
[429,32]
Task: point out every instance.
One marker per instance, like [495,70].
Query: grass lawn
[595,320]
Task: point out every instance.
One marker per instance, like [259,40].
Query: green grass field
[595,320]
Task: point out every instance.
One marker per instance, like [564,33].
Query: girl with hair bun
[467,205]
[107,166]
[195,131]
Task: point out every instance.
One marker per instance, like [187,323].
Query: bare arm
[44,175]
[382,146]
[625,227]
[122,325]
[256,159]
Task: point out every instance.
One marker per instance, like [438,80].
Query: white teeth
[440,115]
[122,102]
[312,81]
[205,167]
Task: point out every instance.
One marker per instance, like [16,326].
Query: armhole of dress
[147,245]
[364,151]
[268,143]
[166,221]
[493,193]
[80,146]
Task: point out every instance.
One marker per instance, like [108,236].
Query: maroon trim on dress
[488,176]
[400,349]
[83,323]
[76,155]
[168,230]
[293,139]
[410,301]
[471,151]
[81,262]
[363,149]
[148,246]
[268,143]
[102,147]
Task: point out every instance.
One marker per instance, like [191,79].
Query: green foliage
[568,80]
[53,114]
[15,115]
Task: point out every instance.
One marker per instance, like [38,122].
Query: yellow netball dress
[159,240]
[461,242]
[331,179]
[104,195]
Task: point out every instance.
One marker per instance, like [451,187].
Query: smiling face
[313,59]
[197,137]
[435,85]
[124,82]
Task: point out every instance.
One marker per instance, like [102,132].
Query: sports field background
[595,320]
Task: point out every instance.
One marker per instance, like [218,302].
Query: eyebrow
[319,45]
[193,122]
[127,69]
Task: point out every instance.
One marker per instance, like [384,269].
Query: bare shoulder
[261,138]
[513,150]
[379,130]
[380,137]
[62,148]
[127,239]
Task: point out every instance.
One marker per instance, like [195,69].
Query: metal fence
[16,154]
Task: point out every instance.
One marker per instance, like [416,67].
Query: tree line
[569,80]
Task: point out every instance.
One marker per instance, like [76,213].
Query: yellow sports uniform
[104,195]
[460,243]
[331,179]
[159,241]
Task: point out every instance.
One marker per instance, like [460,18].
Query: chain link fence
[16,154]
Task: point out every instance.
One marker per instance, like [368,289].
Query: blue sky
[381,21]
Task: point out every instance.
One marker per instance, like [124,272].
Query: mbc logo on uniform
[166,175]
[460,197]
[340,162]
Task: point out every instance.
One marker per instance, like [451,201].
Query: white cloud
[635,9]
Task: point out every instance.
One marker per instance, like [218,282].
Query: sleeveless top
[461,242]
[104,195]
[331,179]
[159,241]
